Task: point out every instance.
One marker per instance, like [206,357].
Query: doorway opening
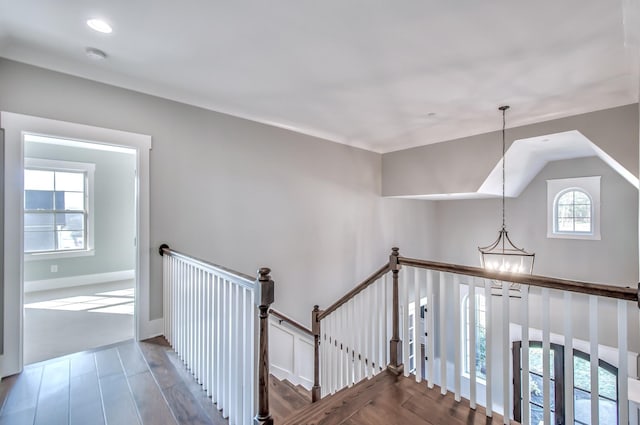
[79,245]
[15,286]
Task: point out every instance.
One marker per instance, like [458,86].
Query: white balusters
[568,354]
[623,364]
[546,349]
[457,338]
[360,331]
[525,356]
[489,349]
[404,321]
[506,357]
[471,315]
[354,344]
[431,339]
[418,324]
[593,354]
[209,320]
[443,335]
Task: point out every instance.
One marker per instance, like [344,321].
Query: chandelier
[502,255]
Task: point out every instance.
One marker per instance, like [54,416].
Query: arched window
[481,335]
[573,212]
[573,208]
[607,386]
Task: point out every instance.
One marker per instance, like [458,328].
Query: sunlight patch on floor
[113,302]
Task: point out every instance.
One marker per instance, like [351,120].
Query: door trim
[11,360]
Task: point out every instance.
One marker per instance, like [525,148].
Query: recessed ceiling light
[95,54]
[99,25]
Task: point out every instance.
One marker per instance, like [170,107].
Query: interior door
[11,251]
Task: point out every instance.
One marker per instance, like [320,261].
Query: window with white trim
[57,206]
[573,208]
[479,310]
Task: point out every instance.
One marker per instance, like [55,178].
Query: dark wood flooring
[285,399]
[390,400]
[146,384]
[124,384]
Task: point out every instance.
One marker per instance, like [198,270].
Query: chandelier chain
[504,111]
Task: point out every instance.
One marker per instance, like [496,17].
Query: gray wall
[439,168]
[241,193]
[463,225]
[114,213]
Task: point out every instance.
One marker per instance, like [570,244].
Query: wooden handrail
[609,291]
[283,318]
[355,291]
[165,249]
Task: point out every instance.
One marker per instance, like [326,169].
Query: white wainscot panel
[290,354]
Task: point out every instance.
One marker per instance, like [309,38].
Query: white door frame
[15,125]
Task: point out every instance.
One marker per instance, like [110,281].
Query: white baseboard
[290,354]
[69,282]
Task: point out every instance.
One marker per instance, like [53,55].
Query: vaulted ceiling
[379,75]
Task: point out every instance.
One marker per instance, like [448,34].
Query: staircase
[389,399]
[409,348]
[286,399]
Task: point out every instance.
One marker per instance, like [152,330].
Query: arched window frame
[556,188]
[556,207]
[557,366]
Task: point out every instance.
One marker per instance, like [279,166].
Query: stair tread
[284,399]
[390,399]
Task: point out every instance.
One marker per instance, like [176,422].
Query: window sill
[582,236]
[479,381]
[58,255]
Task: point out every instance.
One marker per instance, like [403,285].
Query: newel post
[264,299]
[395,345]
[315,329]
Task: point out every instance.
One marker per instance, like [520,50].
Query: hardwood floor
[124,384]
[146,384]
[387,399]
[285,399]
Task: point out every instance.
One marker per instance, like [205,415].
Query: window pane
[38,180]
[38,200]
[536,391]
[535,361]
[581,198]
[70,221]
[565,225]
[537,415]
[38,241]
[70,201]
[38,222]
[582,210]
[70,240]
[73,182]
[566,199]
[565,211]
[607,384]
[608,412]
[583,224]
[581,373]
[582,406]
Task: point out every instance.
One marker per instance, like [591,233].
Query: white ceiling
[359,72]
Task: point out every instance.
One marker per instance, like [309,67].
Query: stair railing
[351,336]
[216,320]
